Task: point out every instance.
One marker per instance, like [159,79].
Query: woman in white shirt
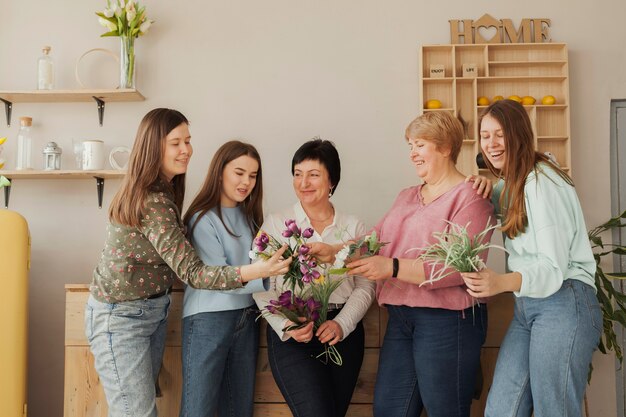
[312,387]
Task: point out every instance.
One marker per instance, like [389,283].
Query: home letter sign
[487,29]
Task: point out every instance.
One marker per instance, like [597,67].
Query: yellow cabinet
[14,266]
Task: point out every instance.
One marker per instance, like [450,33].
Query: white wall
[275,72]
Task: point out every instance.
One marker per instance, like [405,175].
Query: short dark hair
[324,152]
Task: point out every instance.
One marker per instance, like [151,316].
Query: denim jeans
[219,363]
[127,340]
[429,359]
[544,358]
[312,388]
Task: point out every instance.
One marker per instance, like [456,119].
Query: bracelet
[396,266]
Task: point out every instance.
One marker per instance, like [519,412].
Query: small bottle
[45,70]
[24,144]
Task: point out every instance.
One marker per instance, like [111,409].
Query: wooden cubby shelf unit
[537,70]
[68,96]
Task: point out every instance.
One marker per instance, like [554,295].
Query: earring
[330,193]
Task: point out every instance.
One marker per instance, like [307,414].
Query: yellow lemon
[515,98]
[548,100]
[2,140]
[1,163]
[528,100]
[483,101]
[433,104]
[497,98]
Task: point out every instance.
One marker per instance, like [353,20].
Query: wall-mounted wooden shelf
[30,174]
[535,70]
[68,96]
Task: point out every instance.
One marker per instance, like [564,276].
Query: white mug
[93,155]
[125,152]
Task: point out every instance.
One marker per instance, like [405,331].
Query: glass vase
[127,62]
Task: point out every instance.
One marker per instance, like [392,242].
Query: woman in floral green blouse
[144,252]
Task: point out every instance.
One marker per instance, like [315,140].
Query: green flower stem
[128,62]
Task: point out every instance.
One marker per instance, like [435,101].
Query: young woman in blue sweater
[544,359]
[220,335]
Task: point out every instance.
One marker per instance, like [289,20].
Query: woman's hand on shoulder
[329,332]
[302,334]
[481,184]
[372,267]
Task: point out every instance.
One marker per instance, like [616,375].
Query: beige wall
[275,72]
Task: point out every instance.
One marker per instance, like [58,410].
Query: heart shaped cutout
[118,158]
[487,34]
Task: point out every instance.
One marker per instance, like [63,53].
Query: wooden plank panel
[500,310]
[74,318]
[84,395]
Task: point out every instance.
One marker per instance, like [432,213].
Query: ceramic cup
[121,152]
[93,155]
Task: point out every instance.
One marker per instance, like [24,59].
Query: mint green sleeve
[550,228]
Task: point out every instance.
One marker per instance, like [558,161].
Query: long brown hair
[210,194]
[144,167]
[521,159]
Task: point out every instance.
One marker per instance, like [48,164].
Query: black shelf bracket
[7,194]
[100,188]
[8,108]
[100,104]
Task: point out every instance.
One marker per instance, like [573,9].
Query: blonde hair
[440,128]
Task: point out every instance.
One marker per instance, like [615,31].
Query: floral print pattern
[140,262]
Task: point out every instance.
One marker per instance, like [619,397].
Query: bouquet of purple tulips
[295,308]
[309,291]
[302,269]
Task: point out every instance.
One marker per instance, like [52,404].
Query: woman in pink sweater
[431,352]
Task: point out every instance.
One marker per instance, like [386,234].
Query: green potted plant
[612,301]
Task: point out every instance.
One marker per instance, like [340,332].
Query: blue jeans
[544,359]
[312,388]
[219,363]
[429,359]
[127,340]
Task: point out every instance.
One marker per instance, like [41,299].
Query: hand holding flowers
[457,251]
[272,265]
[487,282]
[302,269]
[372,267]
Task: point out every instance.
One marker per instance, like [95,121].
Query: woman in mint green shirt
[544,359]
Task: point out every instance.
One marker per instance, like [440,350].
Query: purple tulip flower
[293,228]
[307,233]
